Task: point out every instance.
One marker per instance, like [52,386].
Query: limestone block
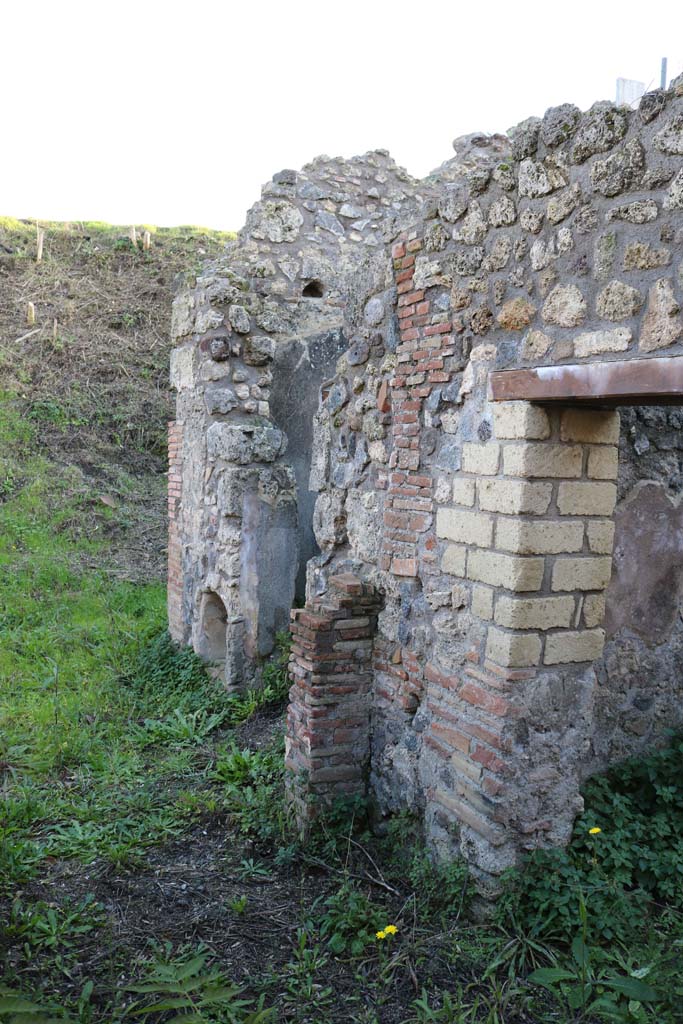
[590,426]
[520,420]
[182,314]
[242,443]
[508,571]
[565,306]
[561,205]
[538,538]
[182,369]
[453,560]
[641,256]
[585,573]
[594,343]
[594,610]
[534,612]
[674,197]
[513,650]
[514,497]
[482,602]
[639,212]
[603,462]
[584,645]
[516,314]
[618,301]
[662,325]
[465,527]
[539,460]
[502,212]
[464,492]
[670,139]
[482,459]
[535,346]
[586,499]
[533,179]
[600,536]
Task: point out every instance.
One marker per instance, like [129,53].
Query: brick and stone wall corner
[176,624]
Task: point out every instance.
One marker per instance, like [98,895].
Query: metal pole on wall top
[663,79]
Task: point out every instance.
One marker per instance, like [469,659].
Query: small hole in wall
[313,290]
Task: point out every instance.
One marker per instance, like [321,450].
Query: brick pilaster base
[328,720]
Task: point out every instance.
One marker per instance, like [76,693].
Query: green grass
[67,632]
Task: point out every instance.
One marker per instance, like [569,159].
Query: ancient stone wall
[486,527]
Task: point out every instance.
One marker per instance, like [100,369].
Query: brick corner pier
[328,721]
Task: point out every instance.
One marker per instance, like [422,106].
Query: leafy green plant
[239,904]
[249,869]
[349,920]
[19,859]
[448,1012]
[300,975]
[595,991]
[42,926]
[255,803]
[626,855]
[16,1008]
[184,987]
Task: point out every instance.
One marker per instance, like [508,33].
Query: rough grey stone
[239,319]
[525,138]
[220,401]
[618,301]
[504,176]
[670,139]
[278,221]
[466,260]
[328,222]
[674,197]
[358,353]
[531,220]
[662,325]
[560,206]
[565,306]
[374,311]
[598,131]
[453,203]
[258,350]
[651,104]
[620,171]
[559,124]
[244,443]
[502,212]
[641,211]
[533,179]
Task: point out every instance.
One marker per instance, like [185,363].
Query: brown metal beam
[623,382]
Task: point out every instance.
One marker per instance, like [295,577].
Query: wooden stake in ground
[30,314]
[146,240]
[133,235]
[40,239]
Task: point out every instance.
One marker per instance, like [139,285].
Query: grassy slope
[142,830]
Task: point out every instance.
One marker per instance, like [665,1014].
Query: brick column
[176,624]
[528,531]
[328,719]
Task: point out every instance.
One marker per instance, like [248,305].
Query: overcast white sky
[176,113]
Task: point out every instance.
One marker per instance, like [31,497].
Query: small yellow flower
[594,831]
[391,929]
[381,935]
